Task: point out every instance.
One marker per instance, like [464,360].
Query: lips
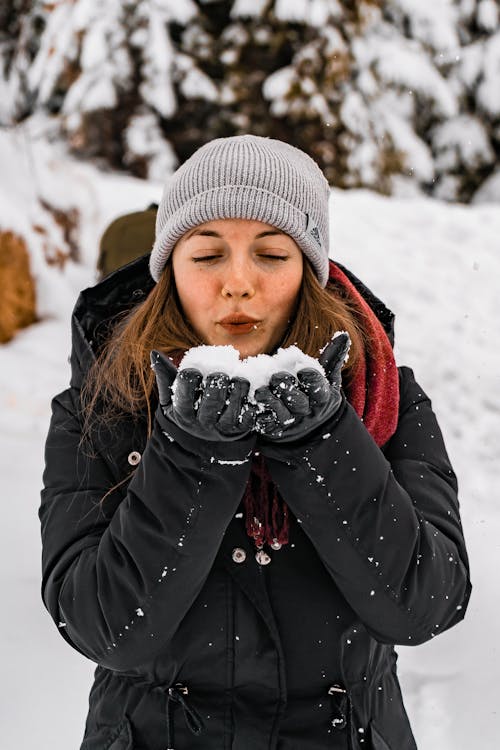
[238,323]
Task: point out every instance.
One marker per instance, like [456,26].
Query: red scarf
[374,388]
[373,393]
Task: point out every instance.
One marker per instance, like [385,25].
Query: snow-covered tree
[387,94]
[284,70]
[455,105]
[467,147]
[20,30]
[103,69]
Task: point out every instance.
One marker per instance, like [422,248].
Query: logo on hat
[313,230]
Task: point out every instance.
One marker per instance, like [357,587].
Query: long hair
[121,382]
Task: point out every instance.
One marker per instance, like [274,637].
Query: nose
[238,281]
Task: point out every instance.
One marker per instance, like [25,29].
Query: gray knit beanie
[247,177]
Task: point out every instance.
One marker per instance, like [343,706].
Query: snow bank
[41,174]
[437,266]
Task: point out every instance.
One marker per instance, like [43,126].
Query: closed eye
[206,258]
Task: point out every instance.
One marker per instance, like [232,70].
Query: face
[238,283]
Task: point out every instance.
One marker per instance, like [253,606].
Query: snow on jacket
[197,645]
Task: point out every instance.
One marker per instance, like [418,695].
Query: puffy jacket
[199,646]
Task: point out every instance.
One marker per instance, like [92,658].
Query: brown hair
[122,382]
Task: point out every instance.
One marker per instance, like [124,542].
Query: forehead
[224,228]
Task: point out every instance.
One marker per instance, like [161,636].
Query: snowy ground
[438,268]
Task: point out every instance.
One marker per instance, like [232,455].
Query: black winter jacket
[197,645]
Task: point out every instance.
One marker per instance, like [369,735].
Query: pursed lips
[239,323]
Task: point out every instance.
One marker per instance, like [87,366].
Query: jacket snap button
[239,555]
[134,458]
[262,557]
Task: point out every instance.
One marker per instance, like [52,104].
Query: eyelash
[208,258]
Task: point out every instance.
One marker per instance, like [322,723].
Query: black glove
[291,407]
[216,410]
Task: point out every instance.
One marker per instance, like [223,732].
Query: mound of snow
[257,370]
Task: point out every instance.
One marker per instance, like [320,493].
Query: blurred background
[399,103]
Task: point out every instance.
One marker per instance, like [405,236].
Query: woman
[239,569]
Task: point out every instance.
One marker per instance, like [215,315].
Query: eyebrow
[211,233]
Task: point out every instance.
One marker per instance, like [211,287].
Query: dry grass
[17,287]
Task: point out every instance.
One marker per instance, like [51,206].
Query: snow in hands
[257,370]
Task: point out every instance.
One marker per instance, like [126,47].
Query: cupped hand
[290,407]
[216,408]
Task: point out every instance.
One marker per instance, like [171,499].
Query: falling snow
[457,247]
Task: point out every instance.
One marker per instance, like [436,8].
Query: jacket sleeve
[385,523]
[119,576]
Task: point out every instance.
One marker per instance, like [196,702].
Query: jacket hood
[97,307]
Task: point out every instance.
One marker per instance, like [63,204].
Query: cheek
[194,295]
[285,296]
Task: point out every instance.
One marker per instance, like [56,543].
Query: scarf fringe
[266,519]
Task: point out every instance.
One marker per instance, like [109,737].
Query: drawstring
[193,720]
[340,706]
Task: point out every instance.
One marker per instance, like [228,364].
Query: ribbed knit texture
[247,177]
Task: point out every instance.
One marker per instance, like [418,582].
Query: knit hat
[247,177]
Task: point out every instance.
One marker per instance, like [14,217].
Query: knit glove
[214,410]
[292,407]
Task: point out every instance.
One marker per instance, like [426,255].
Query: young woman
[241,569]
